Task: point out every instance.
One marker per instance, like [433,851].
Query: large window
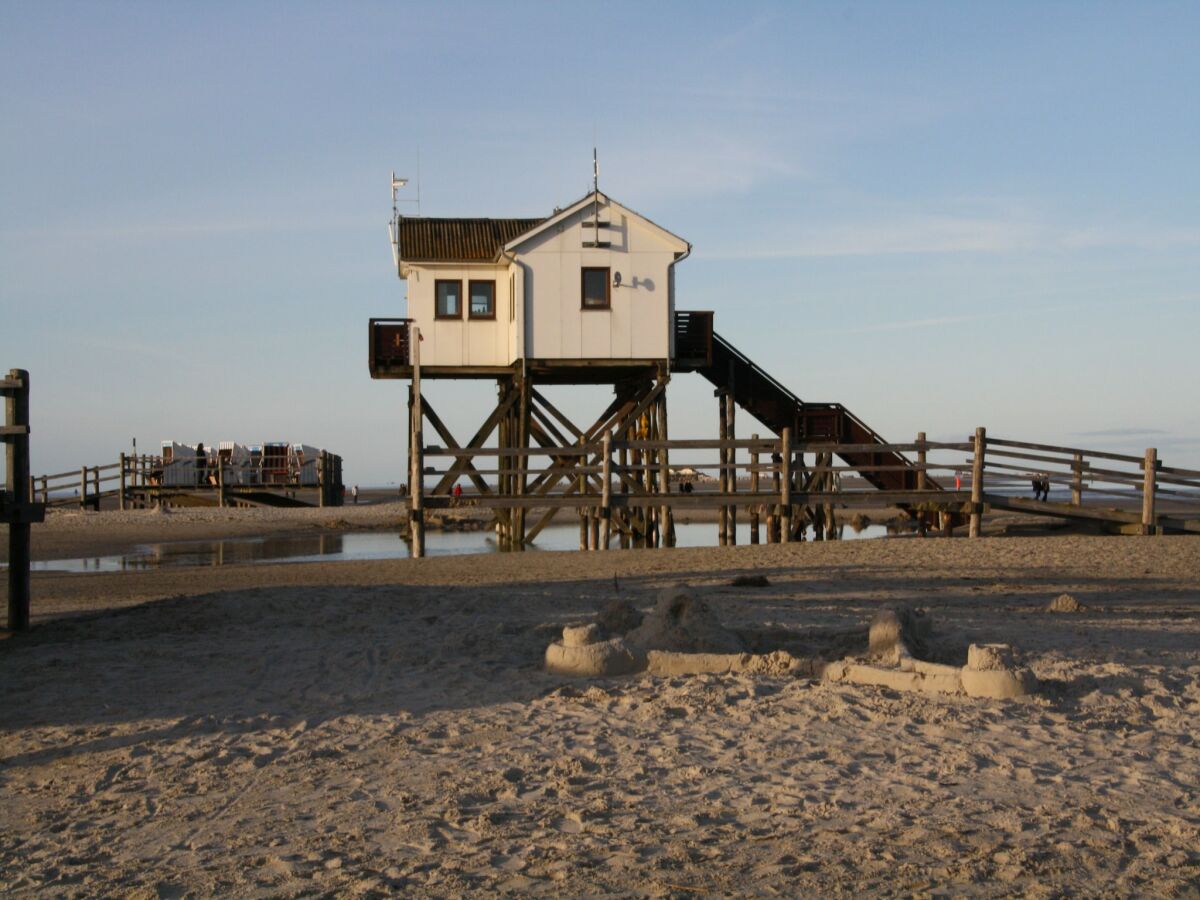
[595,289]
[482,296]
[448,299]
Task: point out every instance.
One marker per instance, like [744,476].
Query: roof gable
[520,238]
[458,240]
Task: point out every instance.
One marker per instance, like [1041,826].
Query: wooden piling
[416,514]
[1077,480]
[16,454]
[606,491]
[754,490]
[83,480]
[785,495]
[731,463]
[722,470]
[1149,488]
[664,476]
[123,487]
[221,502]
[977,482]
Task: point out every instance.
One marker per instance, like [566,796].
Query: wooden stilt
[723,471]
[731,462]
[665,529]
[754,490]
[1149,488]
[785,495]
[416,513]
[977,482]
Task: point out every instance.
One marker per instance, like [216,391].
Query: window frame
[583,273]
[490,316]
[437,313]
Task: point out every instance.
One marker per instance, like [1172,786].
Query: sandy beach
[364,728]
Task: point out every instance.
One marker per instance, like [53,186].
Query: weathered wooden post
[581,488]
[96,489]
[731,457]
[45,489]
[1077,480]
[785,496]
[754,490]
[121,495]
[221,480]
[664,476]
[605,491]
[922,458]
[977,482]
[1149,487]
[417,500]
[83,487]
[16,453]
[321,479]
[722,470]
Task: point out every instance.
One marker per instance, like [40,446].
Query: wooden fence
[137,482]
[630,488]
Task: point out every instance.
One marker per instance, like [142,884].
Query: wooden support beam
[1077,465]
[1150,471]
[416,514]
[16,465]
[785,496]
[731,478]
[507,399]
[448,439]
[977,482]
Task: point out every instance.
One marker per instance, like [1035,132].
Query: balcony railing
[390,345]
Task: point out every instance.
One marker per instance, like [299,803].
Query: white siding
[637,324]
[462,341]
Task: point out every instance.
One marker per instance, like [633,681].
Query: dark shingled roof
[458,240]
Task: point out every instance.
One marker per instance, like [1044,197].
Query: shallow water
[360,546]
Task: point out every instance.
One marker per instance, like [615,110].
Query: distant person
[354,494]
[957,480]
[457,493]
[1036,481]
[201,464]
[1045,487]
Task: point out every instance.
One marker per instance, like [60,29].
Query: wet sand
[372,727]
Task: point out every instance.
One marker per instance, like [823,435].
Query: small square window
[595,289]
[448,302]
[482,296]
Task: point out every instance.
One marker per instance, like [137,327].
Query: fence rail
[794,484]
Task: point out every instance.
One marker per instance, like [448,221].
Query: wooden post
[731,457]
[522,464]
[754,490]
[83,487]
[221,480]
[581,487]
[417,499]
[96,489]
[785,496]
[1149,486]
[16,453]
[606,491]
[722,471]
[45,489]
[1077,480]
[921,460]
[664,476]
[977,482]
[121,495]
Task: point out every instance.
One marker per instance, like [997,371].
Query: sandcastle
[682,636]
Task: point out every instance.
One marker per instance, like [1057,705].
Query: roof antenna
[595,172]
[394,224]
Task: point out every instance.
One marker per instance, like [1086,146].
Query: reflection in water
[359,546]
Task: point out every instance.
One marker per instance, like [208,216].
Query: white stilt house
[584,296]
[592,283]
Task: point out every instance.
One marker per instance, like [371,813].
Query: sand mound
[1064,603]
[898,631]
[619,617]
[683,624]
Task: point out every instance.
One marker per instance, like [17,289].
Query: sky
[941,215]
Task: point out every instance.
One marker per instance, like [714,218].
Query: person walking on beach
[354,494]
[1036,481]
[457,494]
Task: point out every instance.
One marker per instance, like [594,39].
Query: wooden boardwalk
[798,486]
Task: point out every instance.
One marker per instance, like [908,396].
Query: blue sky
[940,215]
